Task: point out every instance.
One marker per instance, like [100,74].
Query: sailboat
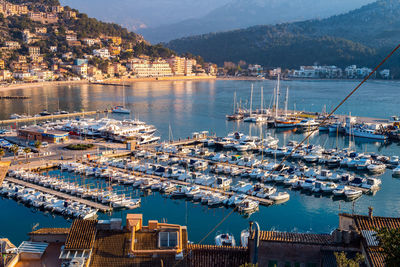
[284,122]
[45,112]
[236,115]
[122,109]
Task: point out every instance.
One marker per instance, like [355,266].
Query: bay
[189,106]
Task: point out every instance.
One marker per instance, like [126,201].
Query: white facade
[144,68]
[102,53]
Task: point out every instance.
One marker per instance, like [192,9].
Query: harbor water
[189,106]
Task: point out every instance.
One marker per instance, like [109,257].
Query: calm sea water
[189,106]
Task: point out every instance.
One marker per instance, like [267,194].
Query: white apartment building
[145,68]
[102,53]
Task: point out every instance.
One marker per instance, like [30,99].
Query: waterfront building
[181,65]
[81,70]
[5,75]
[314,72]
[352,72]
[36,133]
[144,68]
[21,75]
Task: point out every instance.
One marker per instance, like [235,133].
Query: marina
[181,126]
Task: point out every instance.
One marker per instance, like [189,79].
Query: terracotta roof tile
[46,231]
[317,239]
[81,235]
[366,223]
[376,257]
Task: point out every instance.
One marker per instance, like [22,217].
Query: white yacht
[227,240]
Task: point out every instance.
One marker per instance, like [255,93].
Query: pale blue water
[192,106]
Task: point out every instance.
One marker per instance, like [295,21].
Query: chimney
[370,212]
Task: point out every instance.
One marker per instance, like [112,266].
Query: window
[168,239]
[272,264]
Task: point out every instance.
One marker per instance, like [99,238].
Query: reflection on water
[202,105]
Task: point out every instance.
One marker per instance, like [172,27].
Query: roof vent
[370,212]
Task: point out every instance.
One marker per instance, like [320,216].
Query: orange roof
[314,239]
[47,231]
[81,235]
[366,223]
[376,257]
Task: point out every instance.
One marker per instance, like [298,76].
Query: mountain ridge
[360,36]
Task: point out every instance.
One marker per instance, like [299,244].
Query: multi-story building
[114,50]
[2,64]
[12,45]
[71,37]
[102,53]
[70,14]
[53,49]
[144,68]
[181,65]
[385,74]
[42,17]
[21,75]
[5,75]
[41,30]
[34,51]
[81,70]
[57,9]
[9,9]
[116,40]
[91,41]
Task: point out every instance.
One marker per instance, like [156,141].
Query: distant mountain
[359,36]
[244,13]
[145,13]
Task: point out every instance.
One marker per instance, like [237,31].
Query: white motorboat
[371,184]
[280,196]
[352,194]
[376,167]
[328,187]
[339,191]
[227,240]
[248,206]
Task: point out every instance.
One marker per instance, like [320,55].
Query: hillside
[357,37]
[244,13]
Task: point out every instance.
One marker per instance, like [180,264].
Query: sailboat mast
[262,100]
[277,96]
[274,101]
[286,100]
[234,103]
[251,98]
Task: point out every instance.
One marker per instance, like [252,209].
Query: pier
[52,117]
[46,190]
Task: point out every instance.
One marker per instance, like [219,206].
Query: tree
[389,241]
[2,153]
[37,145]
[27,150]
[343,261]
[14,149]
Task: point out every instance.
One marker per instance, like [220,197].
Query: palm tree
[27,150]
[37,145]
[14,149]
[2,153]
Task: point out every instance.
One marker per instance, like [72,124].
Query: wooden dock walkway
[46,190]
[52,117]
